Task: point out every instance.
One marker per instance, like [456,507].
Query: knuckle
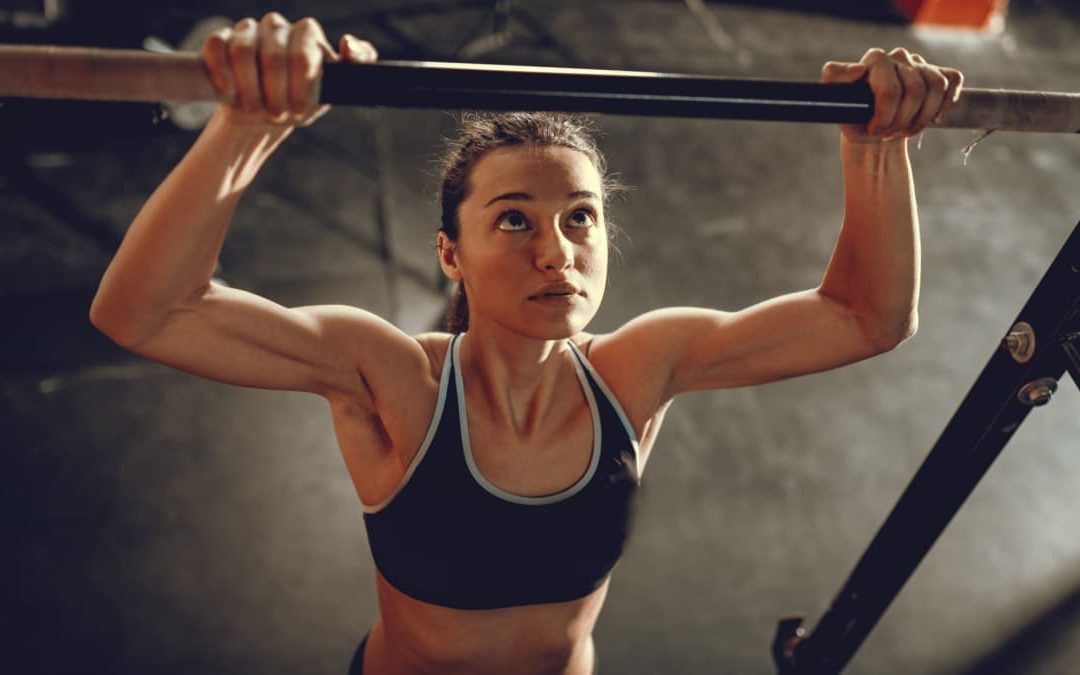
[890,93]
[936,79]
[874,55]
[215,41]
[271,58]
[915,84]
[245,24]
[307,23]
[274,20]
[239,49]
[302,59]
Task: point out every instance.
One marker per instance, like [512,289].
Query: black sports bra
[449,537]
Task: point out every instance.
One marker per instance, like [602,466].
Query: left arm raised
[866,302]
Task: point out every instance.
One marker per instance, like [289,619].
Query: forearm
[874,269]
[171,248]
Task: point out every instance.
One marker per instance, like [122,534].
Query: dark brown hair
[480,133]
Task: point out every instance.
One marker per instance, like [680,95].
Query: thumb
[356,50]
[842,72]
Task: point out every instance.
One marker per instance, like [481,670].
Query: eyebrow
[526,197]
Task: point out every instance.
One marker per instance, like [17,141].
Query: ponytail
[457,314]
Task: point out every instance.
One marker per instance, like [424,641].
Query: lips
[556,291]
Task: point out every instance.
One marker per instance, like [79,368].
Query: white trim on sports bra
[433,426]
[451,362]
[614,404]
[510,496]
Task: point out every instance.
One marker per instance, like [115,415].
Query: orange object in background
[974,14]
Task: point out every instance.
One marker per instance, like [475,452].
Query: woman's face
[532,245]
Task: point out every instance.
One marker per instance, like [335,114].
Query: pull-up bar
[131,75]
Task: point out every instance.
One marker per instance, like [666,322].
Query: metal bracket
[789,636]
[1020,342]
[1037,392]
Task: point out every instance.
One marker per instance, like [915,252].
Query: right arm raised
[157,299]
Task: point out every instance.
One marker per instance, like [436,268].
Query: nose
[554,251]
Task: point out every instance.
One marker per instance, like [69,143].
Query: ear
[448,257]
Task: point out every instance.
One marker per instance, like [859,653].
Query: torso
[412,636]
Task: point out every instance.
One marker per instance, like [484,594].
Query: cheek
[594,261]
[490,271]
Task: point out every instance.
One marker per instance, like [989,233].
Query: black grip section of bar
[474,87]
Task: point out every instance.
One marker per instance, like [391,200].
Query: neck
[515,377]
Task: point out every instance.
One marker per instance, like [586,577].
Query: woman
[497,466]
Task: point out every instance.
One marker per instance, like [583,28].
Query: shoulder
[628,372]
[640,360]
[649,343]
[435,345]
[390,363]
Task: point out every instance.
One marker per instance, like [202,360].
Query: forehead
[533,168]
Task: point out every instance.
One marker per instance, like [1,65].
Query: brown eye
[582,218]
[512,221]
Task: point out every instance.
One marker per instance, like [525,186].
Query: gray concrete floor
[156,523]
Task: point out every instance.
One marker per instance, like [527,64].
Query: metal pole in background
[1043,343]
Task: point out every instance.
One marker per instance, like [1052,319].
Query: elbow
[126,325]
[100,316]
[108,321]
[886,336]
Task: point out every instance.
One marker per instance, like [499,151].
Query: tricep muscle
[233,336]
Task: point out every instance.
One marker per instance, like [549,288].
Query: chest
[550,458]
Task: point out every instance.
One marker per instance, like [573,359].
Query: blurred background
[152,522]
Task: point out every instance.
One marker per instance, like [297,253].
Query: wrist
[246,131]
[239,146]
[874,152]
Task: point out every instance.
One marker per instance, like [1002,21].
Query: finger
[887,87]
[357,51]
[306,57]
[216,62]
[311,25]
[956,85]
[901,55]
[273,66]
[245,72]
[912,101]
[914,89]
[936,87]
[834,71]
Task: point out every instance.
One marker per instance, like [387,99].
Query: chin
[560,328]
